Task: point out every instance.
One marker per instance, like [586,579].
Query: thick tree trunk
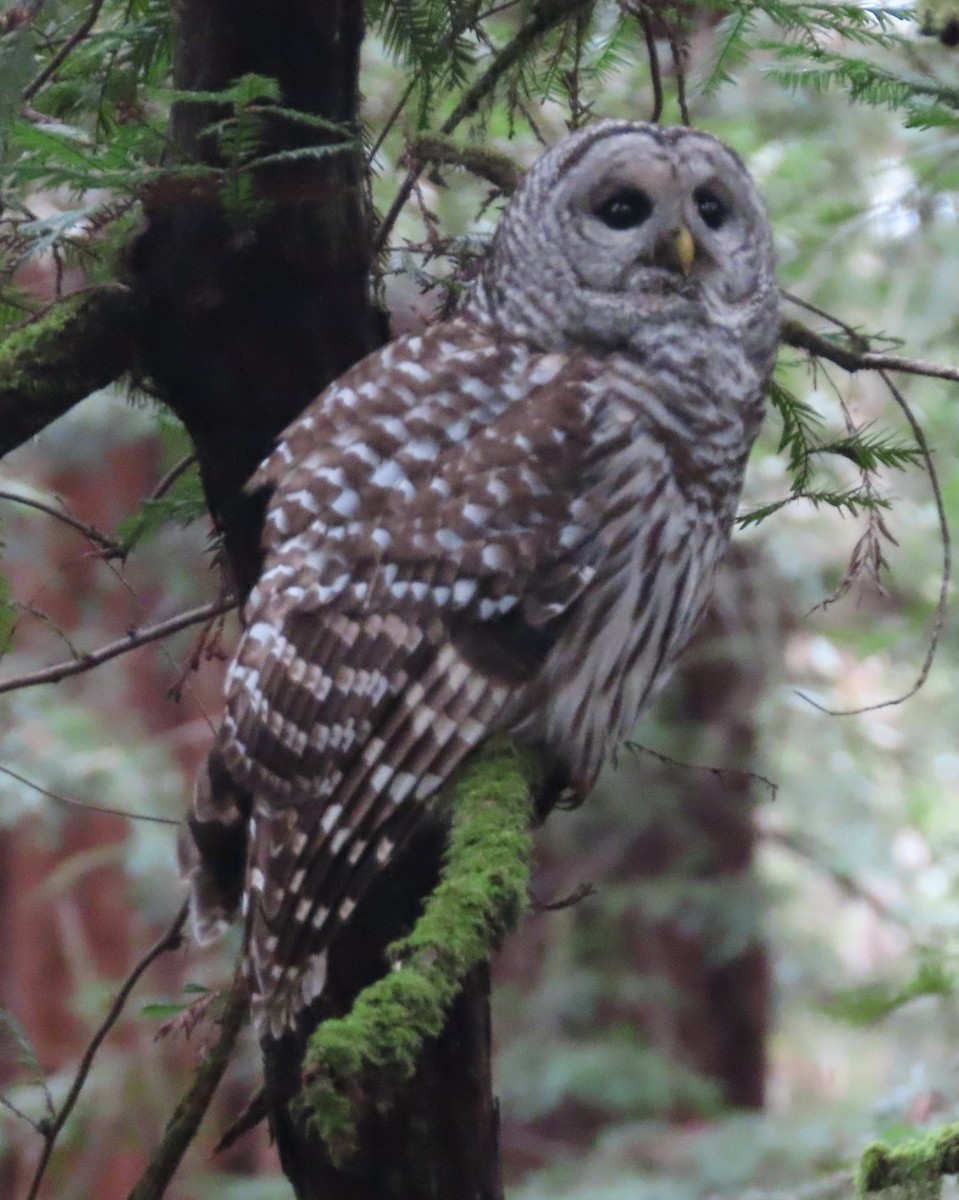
[241,328]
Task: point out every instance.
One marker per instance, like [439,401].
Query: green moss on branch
[917,1167]
[481,894]
[489,164]
[77,346]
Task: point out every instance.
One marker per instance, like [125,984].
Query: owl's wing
[389,633]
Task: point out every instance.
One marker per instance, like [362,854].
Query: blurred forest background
[757,977]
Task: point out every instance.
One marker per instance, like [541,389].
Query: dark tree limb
[77,346]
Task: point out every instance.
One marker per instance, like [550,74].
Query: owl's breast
[662,542]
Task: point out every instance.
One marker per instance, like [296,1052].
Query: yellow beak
[684,249]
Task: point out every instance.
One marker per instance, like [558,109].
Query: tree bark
[241,328]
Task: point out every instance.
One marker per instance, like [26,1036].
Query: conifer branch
[65,51]
[853,358]
[544,17]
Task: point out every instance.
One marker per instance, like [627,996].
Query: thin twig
[170,478]
[257,1110]
[7,1103]
[582,891]
[72,802]
[64,52]
[677,50]
[169,941]
[107,544]
[544,16]
[183,1124]
[850,331]
[940,618]
[717,772]
[391,121]
[135,638]
[655,74]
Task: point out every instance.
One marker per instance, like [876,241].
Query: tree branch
[109,547]
[183,1124]
[64,52]
[355,1062]
[544,16]
[76,347]
[169,941]
[925,1160]
[498,169]
[794,333]
[136,637]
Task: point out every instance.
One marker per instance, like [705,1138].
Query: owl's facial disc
[645,220]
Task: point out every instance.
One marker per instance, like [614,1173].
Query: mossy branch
[357,1060]
[77,346]
[499,169]
[917,1167]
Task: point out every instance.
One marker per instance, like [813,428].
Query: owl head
[621,232]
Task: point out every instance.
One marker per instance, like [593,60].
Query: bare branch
[678,50]
[183,1124]
[717,772]
[136,637]
[170,478]
[169,941]
[655,73]
[72,802]
[107,544]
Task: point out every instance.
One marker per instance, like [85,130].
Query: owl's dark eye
[713,211]
[625,209]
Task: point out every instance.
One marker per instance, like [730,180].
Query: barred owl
[508,524]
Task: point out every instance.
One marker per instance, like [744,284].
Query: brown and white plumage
[509,523]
